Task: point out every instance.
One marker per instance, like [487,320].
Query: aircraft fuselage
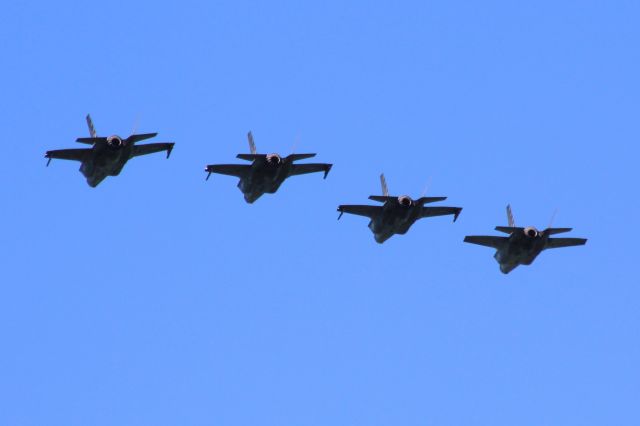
[520,250]
[394,219]
[104,161]
[264,177]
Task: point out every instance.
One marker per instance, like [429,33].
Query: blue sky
[159,299]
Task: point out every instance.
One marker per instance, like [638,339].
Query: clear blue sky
[159,299]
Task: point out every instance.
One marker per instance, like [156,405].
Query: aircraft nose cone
[506,268]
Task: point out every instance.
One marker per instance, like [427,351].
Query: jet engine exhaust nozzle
[531,232]
[115,142]
[405,201]
[274,159]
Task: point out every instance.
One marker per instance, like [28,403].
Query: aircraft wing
[564,242]
[150,148]
[79,154]
[441,211]
[301,169]
[238,170]
[360,210]
[487,240]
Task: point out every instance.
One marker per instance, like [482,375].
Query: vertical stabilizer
[553,216]
[92,130]
[252,145]
[512,223]
[383,182]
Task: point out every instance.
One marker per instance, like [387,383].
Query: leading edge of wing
[441,211]
[75,154]
[360,210]
[565,242]
[238,170]
[301,169]
[151,148]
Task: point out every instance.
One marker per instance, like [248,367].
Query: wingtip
[327,170]
[455,216]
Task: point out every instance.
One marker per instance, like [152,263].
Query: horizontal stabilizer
[141,137]
[383,198]
[508,229]
[487,240]
[425,200]
[250,157]
[419,201]
[91,141]
[296,157]
[551,231]
[292,157]
[565,242]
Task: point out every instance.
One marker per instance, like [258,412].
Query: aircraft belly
[258,183]
[528,260]
[273,186]
[404,226]
[117,167]
[382,236]
[94,179]
[505,268]
[376,225]
[251,190]
[86,168]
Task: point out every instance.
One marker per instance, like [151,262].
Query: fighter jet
[266,172]
[397,214]
[108,155]
[522,245]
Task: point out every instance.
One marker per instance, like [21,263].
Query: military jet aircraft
[266,172]
[108,155]
[397,214]
[522,245]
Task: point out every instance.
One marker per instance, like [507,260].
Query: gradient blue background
[159,299]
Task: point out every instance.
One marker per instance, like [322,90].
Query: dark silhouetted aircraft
[523,245]
[397,214]
[108,155]
[266,172]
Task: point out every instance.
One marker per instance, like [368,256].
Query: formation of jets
[266,173]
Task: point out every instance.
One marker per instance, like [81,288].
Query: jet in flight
[396,214]
[108,155]
[266,172]
[522,245]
